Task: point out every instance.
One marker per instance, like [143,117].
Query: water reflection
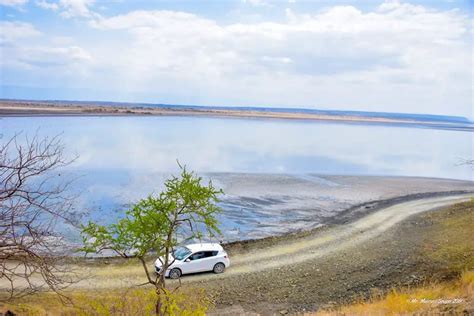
[236,145]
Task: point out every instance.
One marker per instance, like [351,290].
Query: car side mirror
[187,260]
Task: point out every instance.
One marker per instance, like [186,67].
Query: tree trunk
[161,285]
[158,302]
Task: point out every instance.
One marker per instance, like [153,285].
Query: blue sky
[355,55]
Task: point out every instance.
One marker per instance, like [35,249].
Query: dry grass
[451,297]
[451,244]
[105,303]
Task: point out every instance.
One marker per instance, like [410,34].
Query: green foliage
[185,210]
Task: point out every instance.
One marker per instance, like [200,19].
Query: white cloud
[47,5]
[70,8]
[12,31]
[13,3]
[283,60]
[398,57]
[26,48]
[41,56]
[76,8]
[256,2]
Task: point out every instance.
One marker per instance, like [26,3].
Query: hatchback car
[195,258]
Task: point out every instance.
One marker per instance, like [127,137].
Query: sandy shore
[45,108]
[262,205]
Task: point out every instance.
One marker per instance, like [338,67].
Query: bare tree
[468,162]
[465,162]
[33,199]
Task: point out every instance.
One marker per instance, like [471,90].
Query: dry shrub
[428,300]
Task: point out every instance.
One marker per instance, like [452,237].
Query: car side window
[203,254]
[211,253]
[197,255]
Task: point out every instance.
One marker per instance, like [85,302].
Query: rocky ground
[396,258]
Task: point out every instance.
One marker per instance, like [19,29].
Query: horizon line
[262,108]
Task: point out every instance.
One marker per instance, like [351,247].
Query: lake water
[267,167]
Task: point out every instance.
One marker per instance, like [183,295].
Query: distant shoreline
[19,108]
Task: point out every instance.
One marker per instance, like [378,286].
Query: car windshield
[181,252]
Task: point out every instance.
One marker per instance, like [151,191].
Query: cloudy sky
[354,55]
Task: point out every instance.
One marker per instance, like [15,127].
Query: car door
[209,260]
[194,262]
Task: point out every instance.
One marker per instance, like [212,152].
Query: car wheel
[219,268]
[175,273]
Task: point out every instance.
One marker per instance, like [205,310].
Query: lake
[279,175]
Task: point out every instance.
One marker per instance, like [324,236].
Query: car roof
[204,247]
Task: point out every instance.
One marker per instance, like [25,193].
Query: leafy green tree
[185,210]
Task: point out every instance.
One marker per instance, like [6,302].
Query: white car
[195,258]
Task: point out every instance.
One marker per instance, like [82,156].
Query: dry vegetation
[135,301]
[451,245]
[34,198]
[453,297]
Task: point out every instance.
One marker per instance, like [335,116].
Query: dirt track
[331,240]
